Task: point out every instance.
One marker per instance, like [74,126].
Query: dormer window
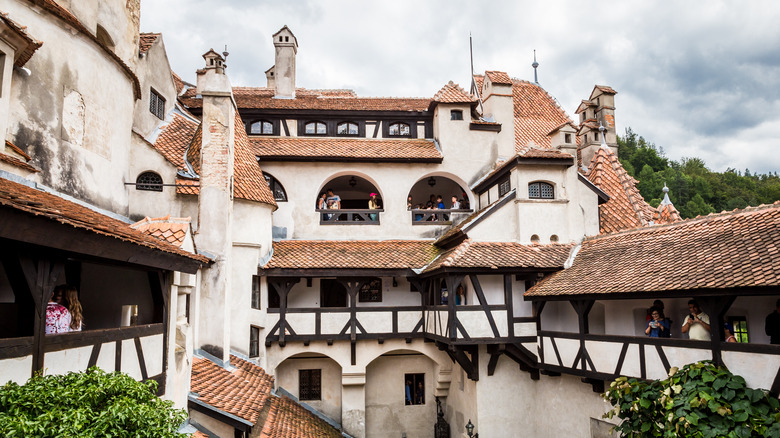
[541,190]
[156,104]
[456,115]
[567,138]
[347,128]
[261,127]
[399,130]
[315,128]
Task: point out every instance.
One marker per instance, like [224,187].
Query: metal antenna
[474,89]
[534,65]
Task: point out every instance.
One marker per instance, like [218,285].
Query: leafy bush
[88,404]
[699,400]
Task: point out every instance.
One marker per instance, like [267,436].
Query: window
[414,389]
[371,292]
[554,239]
[255,292]
[595,136]
[567,138]
[504,187]
[149,181]
[347,128]
[310,384]
[156,104]
[274,302]
[535,238]
[262,127]
[332,293]
[254,341]
[740,328]
[276,187]
[399,130]
[315,128]
[541,190]
[456,115]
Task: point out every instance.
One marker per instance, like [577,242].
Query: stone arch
[445,184]
[314,371]
[352,196]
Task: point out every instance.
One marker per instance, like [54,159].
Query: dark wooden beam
[508,301]
[483,302]
[41,275]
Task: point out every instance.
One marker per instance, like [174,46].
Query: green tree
[699,400]
[696,207]
[88,404]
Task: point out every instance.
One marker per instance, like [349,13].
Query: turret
[598,110]
[282,74]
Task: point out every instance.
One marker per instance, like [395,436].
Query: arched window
[262,127]
[315,128]
[276,187]
[149,181]
[399,130]
[347,128]
[541,190]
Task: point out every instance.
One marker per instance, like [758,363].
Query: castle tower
[598,110]
[282,74]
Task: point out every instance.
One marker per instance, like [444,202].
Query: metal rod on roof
[474,89]
[534,65]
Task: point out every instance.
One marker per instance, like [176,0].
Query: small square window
[310,384]
[156,104]
[255,292]
[456,115]
[595,136]
[414,389]
[504,187]
[567,138]
[254,341]
[371,292]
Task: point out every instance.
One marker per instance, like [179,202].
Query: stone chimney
[215,204]
[283,71]
[499,107]
[598,110]
[269,77]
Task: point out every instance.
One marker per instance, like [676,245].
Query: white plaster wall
[154,71]
[217,427]
[559,316]
[153,204]
[497,227]
[16,369]
[65,361]
[119,17]
[92,167]
[287,377]
[6,73]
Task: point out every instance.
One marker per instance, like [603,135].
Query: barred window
[255,292]
[156,104]
[541,190]
[347,128]
[149,181]
[504,187]
[309,385]
[371,292]
[315,128]
[262,127]
[254,341]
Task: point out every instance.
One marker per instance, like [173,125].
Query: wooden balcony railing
[436,217]
[363,216]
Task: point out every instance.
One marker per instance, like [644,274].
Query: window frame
[504,186]
[307,379]
[316,124]
[415,378]
[456,114]
[156,104]
[254,341]
[272,181]
[541,196]
[348,123]
[262,122]
[149,186]
[400,130]
[739,333]
[371,291]
[255,300]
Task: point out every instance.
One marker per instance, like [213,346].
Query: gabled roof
[351,254]
[287,419]
[345,149]
[453,93]
[23,54]
[175,138]
[584,105]
[146,40]
[666,213]
[168,229]
[626,207]
[498,77]
[561,126]
[333,100]
[730,250]
[39,204]
[536,114]
[496,255]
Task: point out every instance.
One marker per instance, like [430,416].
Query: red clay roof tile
[287,419]
[536,114]
[411,150]
[734,249]
[17,150]
[168,229]
[453,93]
[146,40]
[352,254]
[498,77]
[23,54]
[494,255]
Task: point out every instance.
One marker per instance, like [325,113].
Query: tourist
[440,203]
[57,317]
[697,324]
[772,325]
[373,204]
[322,201]
[728,331]
[658,327]
[74,307]
[409,202]
[455,203]
[336,200]
[657,304]
[464,201]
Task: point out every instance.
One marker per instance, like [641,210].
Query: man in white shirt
[697,324]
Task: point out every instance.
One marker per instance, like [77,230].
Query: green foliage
[700,400]
[693,189]
[89,404]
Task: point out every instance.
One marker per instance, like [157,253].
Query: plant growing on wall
[699,400]
[90,403]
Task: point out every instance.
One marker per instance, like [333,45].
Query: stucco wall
[287,377]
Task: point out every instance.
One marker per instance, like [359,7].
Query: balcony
[363,216]
[422,216]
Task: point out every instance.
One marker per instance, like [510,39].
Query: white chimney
[284,70]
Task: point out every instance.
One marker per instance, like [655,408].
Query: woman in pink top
[57,317]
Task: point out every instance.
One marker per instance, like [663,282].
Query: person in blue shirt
[658,326]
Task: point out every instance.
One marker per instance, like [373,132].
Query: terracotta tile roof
[465,224]
[174,139]
[146,40]
[179,83]
[585,104]
[453,93]
[24,53]
[13,161]
[65,15]
[498,77]
[549,153]
[248,180]
[734,249]
[494,255]
[536,114]
[606,89]
[168,229]
[413,150]
[626,208]
[287,419]
[352,254]
[17,150]
[666,213]
[39,203]
[561,126]
[335,100]
[242,391]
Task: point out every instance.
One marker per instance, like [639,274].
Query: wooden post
[282,287]
[41,275]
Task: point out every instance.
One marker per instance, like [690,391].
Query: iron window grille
[504,187]
[541,190]
[156,104]
[149,181]
[371,292]
[310,384]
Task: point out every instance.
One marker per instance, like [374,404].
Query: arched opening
[149,181]
[349,199]
[102,35]
[433,193]
[314,379]
[276,187]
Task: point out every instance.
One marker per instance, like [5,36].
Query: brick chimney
[283,71]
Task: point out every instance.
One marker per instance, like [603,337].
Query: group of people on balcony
[63,311]
[435,203]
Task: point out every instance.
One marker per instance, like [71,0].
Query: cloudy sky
[698,78]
